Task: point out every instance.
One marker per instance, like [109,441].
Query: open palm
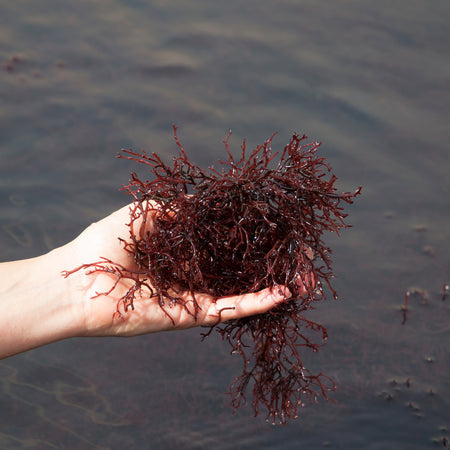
[102,240]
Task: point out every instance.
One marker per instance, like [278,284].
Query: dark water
[371,80]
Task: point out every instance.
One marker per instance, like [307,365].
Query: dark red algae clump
[255,223]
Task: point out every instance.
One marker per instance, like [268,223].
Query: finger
[245,305]
[309,281]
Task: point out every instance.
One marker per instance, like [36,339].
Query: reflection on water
[80,81]
[49,407]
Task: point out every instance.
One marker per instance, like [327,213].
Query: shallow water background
[371,80]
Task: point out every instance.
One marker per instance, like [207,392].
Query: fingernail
[280,293]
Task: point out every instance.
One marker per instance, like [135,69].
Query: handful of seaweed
[255,223]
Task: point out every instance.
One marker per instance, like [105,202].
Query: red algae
[257,222]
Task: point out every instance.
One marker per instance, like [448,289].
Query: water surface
[80,81]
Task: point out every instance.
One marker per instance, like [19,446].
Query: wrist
[58,305]
[64,293]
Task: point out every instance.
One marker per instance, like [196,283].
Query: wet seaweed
[256,221]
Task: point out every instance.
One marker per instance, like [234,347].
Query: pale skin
[40,306]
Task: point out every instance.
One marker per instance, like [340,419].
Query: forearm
[37,304]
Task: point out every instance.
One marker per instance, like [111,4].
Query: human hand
[102,240]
